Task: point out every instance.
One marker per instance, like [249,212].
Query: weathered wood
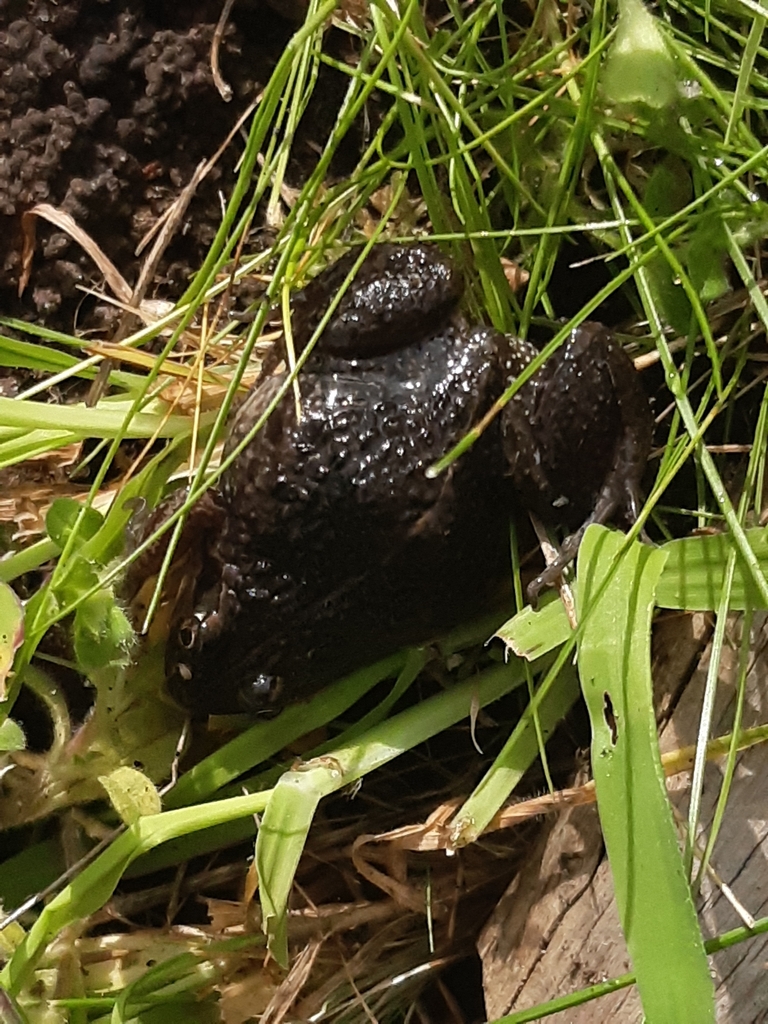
[556,929]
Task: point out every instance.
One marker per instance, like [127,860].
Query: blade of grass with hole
[652,892]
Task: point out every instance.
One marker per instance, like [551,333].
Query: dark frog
[328,544]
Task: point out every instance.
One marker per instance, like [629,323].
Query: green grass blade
[291,807]
[108,419]
[265,739]
[651,888]
[90,890]
[692,580]
[693,576]
[281,840]
[551,704]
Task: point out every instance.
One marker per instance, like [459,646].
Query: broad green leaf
[693,575]
[668,294]
[131,793]
[669,187]
[62,517]
[70,585]
[11,736]
[640,68]
[668,190]
[706,258]
[652,893]
[692,580]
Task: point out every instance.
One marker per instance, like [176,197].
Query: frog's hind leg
[581,444]
[617,494]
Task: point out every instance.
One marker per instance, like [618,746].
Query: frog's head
[201,691]
[204,685]
[210,673]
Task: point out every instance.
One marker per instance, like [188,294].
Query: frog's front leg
[577,439]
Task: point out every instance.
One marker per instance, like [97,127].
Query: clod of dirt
[105,111]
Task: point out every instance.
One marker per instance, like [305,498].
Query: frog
[329,542]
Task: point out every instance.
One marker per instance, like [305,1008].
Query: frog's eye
[187,635]
[258,692]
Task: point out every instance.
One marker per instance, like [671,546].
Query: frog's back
[356,459]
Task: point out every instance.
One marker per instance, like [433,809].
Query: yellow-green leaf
[131,794]
[11,631]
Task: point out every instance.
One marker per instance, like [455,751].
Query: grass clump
[626,139]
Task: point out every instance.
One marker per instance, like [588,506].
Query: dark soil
[105,111]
